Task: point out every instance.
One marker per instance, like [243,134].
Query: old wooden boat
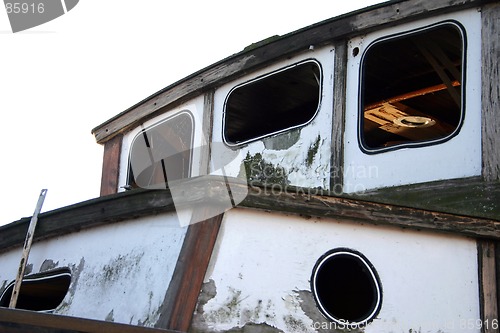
[345,176]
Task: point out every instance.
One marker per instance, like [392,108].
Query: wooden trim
[300,203]
[20,321]
[490,96]
[208,190]
[182,294]
[91,213]
[338,121]
[488,287]
[345,26]
[111,165]
[207,128]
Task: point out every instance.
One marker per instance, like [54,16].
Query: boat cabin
[342,177]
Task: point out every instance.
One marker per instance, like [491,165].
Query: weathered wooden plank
[184,288]
[21,321]
[296,202]
[344,26]
[207,128]
[103,210]
[111,165]
[488,286]
[135,203]
[338,121]
[490,95]
[465,196]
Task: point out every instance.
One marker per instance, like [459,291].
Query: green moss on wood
[263,42]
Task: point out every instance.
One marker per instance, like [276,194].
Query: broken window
[412,88]
[162,152]
[271,104]
[39,292]
[346,287]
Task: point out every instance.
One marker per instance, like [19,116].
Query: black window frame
[367,267]
[130,178]
[26,297]
[232,144]
[360,105]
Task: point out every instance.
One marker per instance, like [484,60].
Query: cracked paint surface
[259,276]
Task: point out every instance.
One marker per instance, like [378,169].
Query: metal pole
[26,250]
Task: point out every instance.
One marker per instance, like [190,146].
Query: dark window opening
[39,292]
[412,88]
[274,103]
[346,287]
[162,153]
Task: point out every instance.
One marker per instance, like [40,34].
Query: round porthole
[346,287]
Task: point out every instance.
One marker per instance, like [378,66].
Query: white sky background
[63,78]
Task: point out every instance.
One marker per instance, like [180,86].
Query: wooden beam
[209,191]
[342,27]
[490,92]
[20,321]
[338,121]
[488,287]
[103,210]
[184,288]
[111,165]
[207,128]
[300,203]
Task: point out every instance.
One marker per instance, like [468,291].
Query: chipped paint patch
[255,328]
[250,319]
[261,172]
[282,141]
[109,317]
[287,159]
[320,324]
[312,151]
[4,284]
[76,270]
[28,269]
[48,264]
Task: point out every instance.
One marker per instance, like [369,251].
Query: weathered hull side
[260,271]
[120,272]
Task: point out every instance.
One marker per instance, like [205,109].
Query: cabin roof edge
[235,65]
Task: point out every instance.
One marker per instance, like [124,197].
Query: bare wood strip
[207,128]
[26,250]
[131,204]
[299,41]
[339,93]
[490,95]
[111,165]
[488,286]
[20,321]
[182,294]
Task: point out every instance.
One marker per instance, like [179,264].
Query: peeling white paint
[262,268]
[120,271]
[293,158]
